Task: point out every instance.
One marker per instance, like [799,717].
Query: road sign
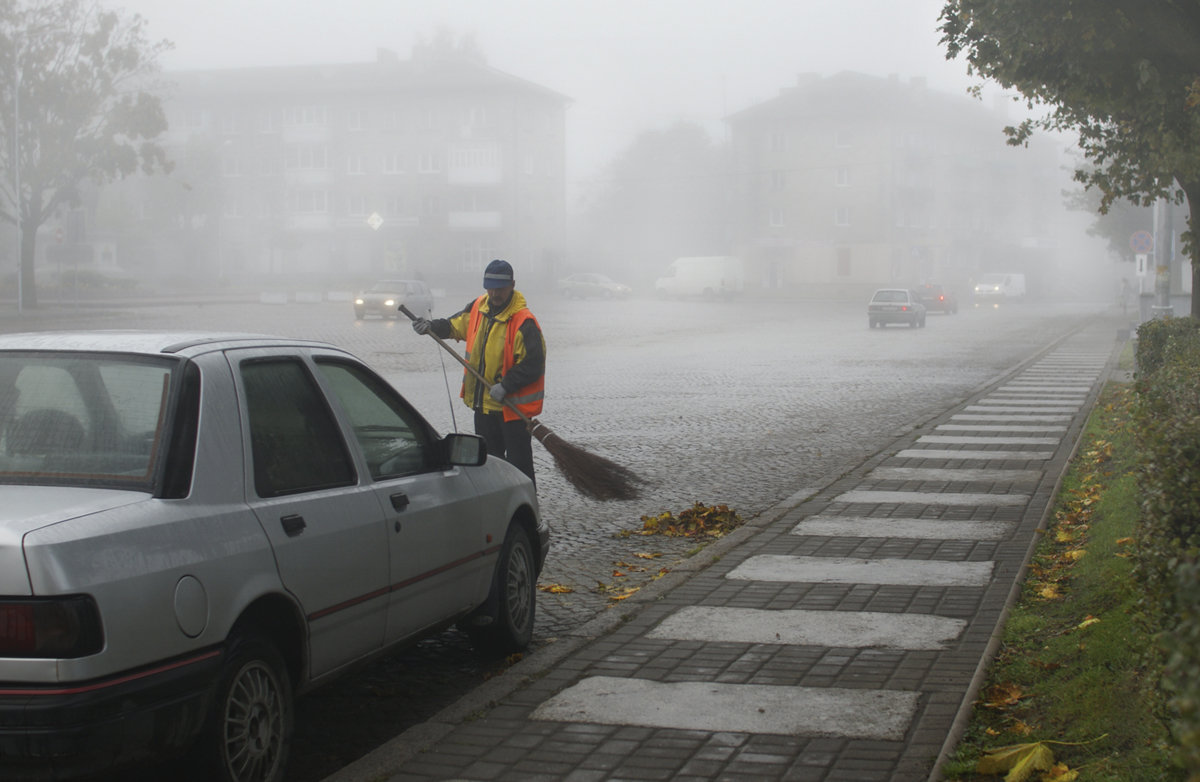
[1141,242]
[1142,269]
[375,220]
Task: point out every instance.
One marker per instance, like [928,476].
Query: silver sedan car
[197,527]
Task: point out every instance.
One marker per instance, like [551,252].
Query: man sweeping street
[505,346]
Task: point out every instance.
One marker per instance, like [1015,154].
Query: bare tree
[75,106]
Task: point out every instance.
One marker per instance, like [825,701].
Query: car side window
[393,438]
[296,445]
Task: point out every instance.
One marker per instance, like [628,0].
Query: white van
[710,276]
[996,287]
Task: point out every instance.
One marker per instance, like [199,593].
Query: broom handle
[528,422]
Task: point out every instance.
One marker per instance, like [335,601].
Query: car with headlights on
[586,285]
[385,297]
[198,527]
[895,305]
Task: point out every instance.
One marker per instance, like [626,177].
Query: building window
[394,206]
[476,255]
[355,165]
[357,119]
[777,141]
[229,124]
[356,205]
[843,138]
[304,115]
[430,206]
[268,121]
[429,163]
[468,158]
[477,117]
[775,218]
[841,216]
[308,201]
[393,163]
[304,157]
[778,180]
[841,177]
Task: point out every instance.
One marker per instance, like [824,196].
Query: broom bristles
[591,475]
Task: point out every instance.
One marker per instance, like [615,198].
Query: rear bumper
[893,316]
[65,731]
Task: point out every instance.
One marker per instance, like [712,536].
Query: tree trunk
[1192,191]
[28,286]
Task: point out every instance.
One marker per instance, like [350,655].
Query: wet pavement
[765,406]
[840,635]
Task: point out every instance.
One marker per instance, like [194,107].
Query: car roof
[146,342]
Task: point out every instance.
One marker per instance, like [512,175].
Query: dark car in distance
[937,299]
[895,305]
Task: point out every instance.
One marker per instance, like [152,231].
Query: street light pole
[17,175]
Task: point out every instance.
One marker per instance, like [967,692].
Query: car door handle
[293,525]
[399,500]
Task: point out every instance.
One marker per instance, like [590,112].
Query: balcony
[475,175]
[473,221]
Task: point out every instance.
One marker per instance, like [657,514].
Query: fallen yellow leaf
[555,589]
[1019,760]
[1050,592]
[1091,620]
[1060,773]
[1076,554]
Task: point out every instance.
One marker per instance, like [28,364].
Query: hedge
[1167,417]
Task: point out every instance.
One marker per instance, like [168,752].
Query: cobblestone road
[743,404]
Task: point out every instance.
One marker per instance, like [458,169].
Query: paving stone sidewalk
[840,636]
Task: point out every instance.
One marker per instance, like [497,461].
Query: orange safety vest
[528,399]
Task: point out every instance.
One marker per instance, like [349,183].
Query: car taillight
[52,627]
[941,298]
[903,307]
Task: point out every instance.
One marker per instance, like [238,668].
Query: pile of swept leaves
[698,521]
[1069,695]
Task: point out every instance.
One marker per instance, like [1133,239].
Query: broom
[591,475]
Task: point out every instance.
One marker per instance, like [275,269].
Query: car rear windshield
[82,419]
[890,296]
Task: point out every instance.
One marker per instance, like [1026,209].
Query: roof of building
[386,73]
[849,93]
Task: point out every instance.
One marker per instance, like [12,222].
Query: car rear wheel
[250,728]
[514,594]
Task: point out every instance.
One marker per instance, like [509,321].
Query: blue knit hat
[498,274]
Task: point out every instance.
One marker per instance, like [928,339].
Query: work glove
[497,391]
[422,326]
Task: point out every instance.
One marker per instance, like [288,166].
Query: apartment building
[419,168]
[852,182]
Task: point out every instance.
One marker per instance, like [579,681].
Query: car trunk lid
[29,508]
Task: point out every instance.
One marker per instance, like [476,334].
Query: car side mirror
[464,450]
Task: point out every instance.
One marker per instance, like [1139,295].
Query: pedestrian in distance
[505,346]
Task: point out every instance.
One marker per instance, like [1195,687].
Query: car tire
[514,595]
[249,729]
[912,324]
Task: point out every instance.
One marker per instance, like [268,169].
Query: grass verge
[1068,696]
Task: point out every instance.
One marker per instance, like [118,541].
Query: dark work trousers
[510,440]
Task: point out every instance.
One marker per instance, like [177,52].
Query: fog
[627,65]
